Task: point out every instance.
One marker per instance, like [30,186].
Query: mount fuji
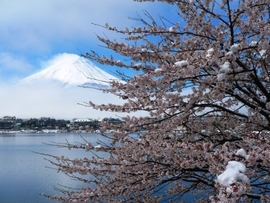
[69,70]
[55,91]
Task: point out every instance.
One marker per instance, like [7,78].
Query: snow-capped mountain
[70,70]
[54,91]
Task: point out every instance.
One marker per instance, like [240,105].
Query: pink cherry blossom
[196,116]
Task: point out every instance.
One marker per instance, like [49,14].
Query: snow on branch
[182,63]
[234,172]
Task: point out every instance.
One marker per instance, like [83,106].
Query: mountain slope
[70,70]
[54,91]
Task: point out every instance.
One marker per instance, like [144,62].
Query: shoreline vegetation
[12,124]
[49,131]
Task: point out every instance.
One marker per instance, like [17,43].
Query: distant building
[82,122]
[7,122]
[9,118]
[115,121]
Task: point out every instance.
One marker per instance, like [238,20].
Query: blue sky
[33,32]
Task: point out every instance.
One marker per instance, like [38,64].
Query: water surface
[23,173]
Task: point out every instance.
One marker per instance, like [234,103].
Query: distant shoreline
[45,131]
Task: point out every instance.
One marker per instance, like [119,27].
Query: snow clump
[242,153]
[172,29]
[235,48]
[97,147]
[233,173]
[262,52]
[210,52]
[253,43]
[158,70]
[221,76]
[182,63]
[225,68]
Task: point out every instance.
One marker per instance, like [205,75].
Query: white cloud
[33,31]
[36,25]
[10,62]
[52,101]
[37,99]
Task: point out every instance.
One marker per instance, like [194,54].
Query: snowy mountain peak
[70,70]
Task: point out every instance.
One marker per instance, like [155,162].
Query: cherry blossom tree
[202,89]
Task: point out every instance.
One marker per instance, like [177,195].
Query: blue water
[24,175]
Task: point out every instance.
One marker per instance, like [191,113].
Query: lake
[24,175]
